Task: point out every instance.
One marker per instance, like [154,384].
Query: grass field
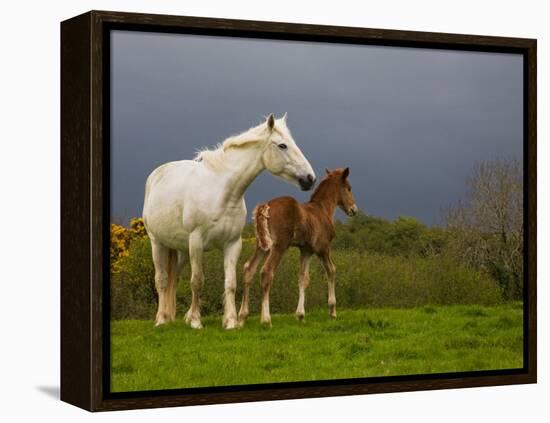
[359,343]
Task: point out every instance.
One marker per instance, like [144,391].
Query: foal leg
[232,252]
[303,283]
[250,268]
[161,260]
[267,274]
[331,273]
[193,315]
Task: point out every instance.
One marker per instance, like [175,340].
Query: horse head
[344,197]
[283,158]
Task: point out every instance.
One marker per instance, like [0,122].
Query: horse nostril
[306,182]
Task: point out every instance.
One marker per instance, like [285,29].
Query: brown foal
[283,222]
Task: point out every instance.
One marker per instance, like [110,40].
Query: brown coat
[283,222]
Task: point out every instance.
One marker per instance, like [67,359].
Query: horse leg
[177,261]
[303,283]
[232,252]
[161,260]
[250,268]
[331,273]
[193,315]
[267,274]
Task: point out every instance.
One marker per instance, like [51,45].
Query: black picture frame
[85,323]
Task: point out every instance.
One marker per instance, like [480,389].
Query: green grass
[359,343]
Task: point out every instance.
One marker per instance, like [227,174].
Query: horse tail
[260,215]
[172,282]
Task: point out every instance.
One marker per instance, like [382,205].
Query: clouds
[409,122]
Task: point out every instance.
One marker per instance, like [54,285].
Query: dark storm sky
[410,123]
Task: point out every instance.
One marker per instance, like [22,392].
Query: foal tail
[260,215]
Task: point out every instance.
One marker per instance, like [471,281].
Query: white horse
[194,205]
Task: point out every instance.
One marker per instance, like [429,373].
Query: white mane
[215,158]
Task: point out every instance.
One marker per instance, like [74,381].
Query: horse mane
[215,157]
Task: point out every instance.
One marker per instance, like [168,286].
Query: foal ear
[271,121]
[345,174]
[327,171]
[285,117]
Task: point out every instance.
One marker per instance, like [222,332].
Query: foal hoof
[300,316]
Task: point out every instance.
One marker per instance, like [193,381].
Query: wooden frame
[85,208]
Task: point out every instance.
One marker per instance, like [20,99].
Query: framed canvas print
[259,210]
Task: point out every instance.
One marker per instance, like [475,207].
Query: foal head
[283,158]
[344,196]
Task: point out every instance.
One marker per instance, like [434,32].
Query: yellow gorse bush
[121,237]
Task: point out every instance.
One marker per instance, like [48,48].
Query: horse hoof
[241,321]
[196,324]
[161,320]
[193,321]
[300,316]
[230,323]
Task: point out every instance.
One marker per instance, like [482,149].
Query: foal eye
[282,146]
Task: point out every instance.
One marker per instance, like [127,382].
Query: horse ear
[327,171]
[345,174]
[285,116]
[271,121]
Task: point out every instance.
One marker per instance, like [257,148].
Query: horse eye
[282,146]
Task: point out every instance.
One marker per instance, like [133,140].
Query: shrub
[405,236]
[121,237]
[133,294]
[362,280]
